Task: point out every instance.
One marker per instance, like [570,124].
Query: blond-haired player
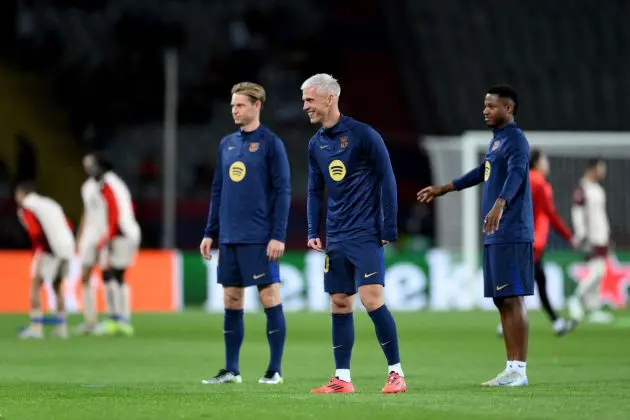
[53,244]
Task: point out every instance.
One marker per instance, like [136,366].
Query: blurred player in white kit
[91,229]
[592,231]
[53,245]
[117,245]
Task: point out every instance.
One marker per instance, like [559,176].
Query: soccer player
[92,227]
[53,244]
[592,229]
[545,214]
[118,245]
[350,160]
[508,255]
[249,211]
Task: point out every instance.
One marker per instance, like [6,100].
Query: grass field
[157,373]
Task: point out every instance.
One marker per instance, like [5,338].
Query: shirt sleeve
[578,215]
[379,158]
[281,181]
[212,225]
[517,157]
[469,179]
[112,210]
[549,208]
[314,201]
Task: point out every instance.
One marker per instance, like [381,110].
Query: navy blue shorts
[246,265]
[508,269]
[353,263]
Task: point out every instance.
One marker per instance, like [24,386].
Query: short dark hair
[593,162]
[505,91]
[534,157]
[102,161]
[25,186]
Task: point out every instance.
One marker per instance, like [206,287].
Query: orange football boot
[335,385]
[395,384]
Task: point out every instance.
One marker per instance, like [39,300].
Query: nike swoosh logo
[273,332]
[369,275]
[226,332]
[386,343]
[502,287]
[336,347]
[323,147]
[231,147]
[257,276]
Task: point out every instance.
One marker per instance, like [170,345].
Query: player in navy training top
[508,226]
[350,160]
[251,196]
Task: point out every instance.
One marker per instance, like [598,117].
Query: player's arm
[32,226]
[517,158]
[111,204]
[379,158]
[469,179]
[212,225]
[314,200]
[578,215]
[549,208]
[281,181]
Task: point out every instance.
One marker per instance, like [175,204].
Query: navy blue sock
[343,339]
[233,333]
[385,327]
[276,335]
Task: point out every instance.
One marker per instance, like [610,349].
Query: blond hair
[323,83]
[253,91]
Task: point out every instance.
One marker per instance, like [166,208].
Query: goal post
[458,220]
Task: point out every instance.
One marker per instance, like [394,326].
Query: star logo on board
[614,286]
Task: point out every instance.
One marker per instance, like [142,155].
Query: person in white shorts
[91,229]
[119,245]
[53,244]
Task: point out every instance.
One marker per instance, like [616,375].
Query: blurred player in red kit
[545,216]
[53,245]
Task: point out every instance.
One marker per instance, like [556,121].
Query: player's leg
[369,261]
[229,275]
[257,270]
[35,327]
[508,276]
[88,256]
[587,297]
[61,326]
[339,284]
[560,326]
[123,252]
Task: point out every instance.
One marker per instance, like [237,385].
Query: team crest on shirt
[343,141]
[237,171]
[337,170]
[495,145]
[253,147]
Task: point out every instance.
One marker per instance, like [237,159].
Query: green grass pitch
[157,374]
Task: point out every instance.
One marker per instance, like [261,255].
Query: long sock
[37,320]
[343,341]
[113,299]
[125,301]
[276,335]
[89,304]
[385,328]
[233,333]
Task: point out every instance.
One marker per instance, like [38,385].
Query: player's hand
[315,244]
[493,218]
[204,248]
[428,194]
[275,249]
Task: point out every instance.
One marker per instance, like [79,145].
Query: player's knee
[233,297]
[269,295]
[341,303]
[372,296]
